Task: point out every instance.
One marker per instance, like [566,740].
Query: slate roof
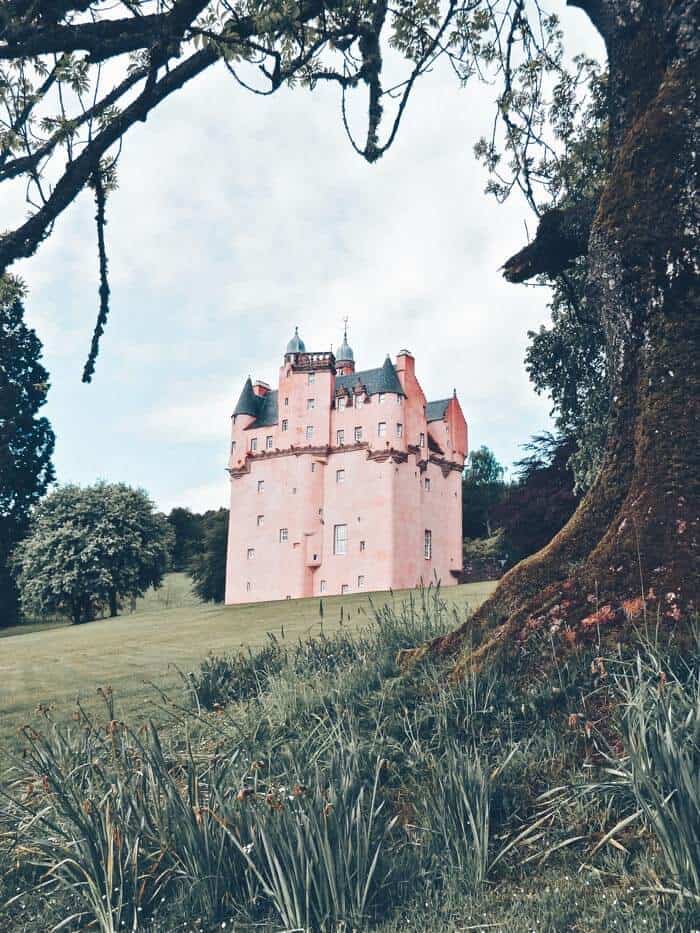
[267,413]
[383,379]
[435,411]
[247,403]
[262,407]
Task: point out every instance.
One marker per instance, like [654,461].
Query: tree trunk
[113,604]
[631,550]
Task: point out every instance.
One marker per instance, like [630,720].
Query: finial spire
[345,329]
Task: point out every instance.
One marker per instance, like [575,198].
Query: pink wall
[383,499]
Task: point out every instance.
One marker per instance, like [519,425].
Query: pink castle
[343,481]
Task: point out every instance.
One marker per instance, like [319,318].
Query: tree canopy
[88,548]
[208,568]
[26,440]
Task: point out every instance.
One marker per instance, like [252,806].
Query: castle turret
[345,358]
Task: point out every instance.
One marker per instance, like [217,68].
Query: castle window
[251,553]
[381,429]
[324,586]
[312,378]
[233,446]
[268,442]
[380,398]
[285,424]
[247,586]
[363,545]
[360,582]
[340,476]
[340,539]
[313,467]
[341,402]
[344,589]
[399,429]
[339,438]
[261,485]
[427,484]
[286,403]
[421,440]
[261,520]
[309,432]
[253,443]
[358,435]
[427,544]
[358,401]
[310,403]
[284,534]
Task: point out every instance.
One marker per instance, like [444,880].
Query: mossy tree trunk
[631,550]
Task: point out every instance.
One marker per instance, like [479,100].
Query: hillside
[53,665]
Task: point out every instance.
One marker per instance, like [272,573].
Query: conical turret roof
[248,402]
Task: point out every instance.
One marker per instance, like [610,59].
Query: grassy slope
[55,664]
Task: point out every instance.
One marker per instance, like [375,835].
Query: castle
[343,481]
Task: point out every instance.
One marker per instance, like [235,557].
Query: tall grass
[315,787]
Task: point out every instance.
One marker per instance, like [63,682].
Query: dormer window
[268,442]
[341,403]
[253,443]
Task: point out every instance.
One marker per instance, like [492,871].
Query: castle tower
[342,480]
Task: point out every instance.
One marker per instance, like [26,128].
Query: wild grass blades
[661,736]
[316,848]
[454,814]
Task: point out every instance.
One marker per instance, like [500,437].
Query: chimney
[260,388]
[405,366]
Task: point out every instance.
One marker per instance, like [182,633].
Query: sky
[239,217]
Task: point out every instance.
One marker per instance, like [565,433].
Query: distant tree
[188,537]
[208,569]
[482,489]
[88,548]
[541,501]
[26,441]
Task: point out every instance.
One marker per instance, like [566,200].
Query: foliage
[90,547]
[482,489]
[567,361]
[188,537]
[340,795]
[539,504]
[208,568]
[26,441]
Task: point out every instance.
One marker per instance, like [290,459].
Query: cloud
[238,217]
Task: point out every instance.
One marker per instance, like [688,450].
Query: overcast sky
[239,217]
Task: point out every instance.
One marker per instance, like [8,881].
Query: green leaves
[88,548]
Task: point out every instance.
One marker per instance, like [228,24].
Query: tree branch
[24,240]
[102,39]
[562,236]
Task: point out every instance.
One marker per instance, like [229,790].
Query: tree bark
[113,604]
[631,551]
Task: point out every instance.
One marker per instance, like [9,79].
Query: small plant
[316,848]
[454,814]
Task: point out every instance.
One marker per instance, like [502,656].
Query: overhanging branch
[562,236]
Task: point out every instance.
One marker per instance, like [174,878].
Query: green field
[56,663]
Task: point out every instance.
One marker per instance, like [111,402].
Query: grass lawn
[56,663]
